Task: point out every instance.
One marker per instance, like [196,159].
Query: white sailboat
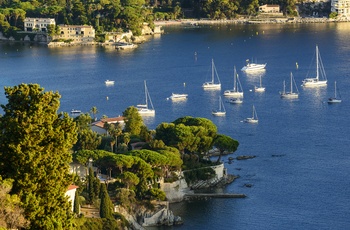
[221,111]
[321,78]
[334,99]
[237,90]
[291,94]
[254,118]
[146,109]
[211,84]
[260,88]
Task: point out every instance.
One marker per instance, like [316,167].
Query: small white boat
[221,111]
[109,82]
[75,112]
[321,78]
[236,100]
[237,90]
[254,118]
[211,84]
[251,67]
[146,109]
[124,46]
[178,96]
[291,94]
[335,98]
[259,88]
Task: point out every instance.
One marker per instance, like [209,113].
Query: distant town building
[77,33]
[269,8]
[38,24]
[342,7]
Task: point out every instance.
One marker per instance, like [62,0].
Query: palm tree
[94,111]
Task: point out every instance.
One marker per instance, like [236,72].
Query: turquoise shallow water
[300,175]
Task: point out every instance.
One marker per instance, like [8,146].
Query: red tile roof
[72,186]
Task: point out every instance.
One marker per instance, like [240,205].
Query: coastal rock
[162,217]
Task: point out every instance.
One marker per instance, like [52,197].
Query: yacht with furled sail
[291,94]
[211,84]
[237,90]
[320,79]
[146,109]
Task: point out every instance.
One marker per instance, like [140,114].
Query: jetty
[214,195]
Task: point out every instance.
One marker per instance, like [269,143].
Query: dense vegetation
[38,144]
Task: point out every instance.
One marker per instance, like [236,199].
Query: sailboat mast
[335,89]
[234,79]
[317,70]
[212,70]
[146,92]
[291,83]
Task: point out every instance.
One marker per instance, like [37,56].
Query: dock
[214,195]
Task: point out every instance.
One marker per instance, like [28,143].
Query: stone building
[38,24]
[76,33]
[342,7]
[269,8]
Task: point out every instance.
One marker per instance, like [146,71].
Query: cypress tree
[35,143]
[106,206]
[76,207]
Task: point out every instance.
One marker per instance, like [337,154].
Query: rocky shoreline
[258,20]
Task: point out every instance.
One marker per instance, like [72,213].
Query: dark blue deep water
[300,177]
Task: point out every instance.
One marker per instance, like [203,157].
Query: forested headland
[121,15]
[39,145]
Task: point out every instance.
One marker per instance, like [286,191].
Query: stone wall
[175,191]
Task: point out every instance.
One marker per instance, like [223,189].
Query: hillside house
[38,24]
[71,194]
[269,8]
[341,7]
[98,126]
[77,33]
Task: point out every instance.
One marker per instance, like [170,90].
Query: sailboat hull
[231,93]
[314,82]
[333,100]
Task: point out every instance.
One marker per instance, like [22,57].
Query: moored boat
[251,67]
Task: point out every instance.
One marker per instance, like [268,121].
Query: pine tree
[34,151]
[106,206]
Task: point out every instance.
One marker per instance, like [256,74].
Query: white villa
[38,24]
[342,7]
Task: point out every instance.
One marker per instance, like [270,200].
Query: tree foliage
[225,143]
[106,206]
[11,212]
[133,121]
[34,152]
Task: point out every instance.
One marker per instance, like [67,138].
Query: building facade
[269,8]
[342,7]
[77,33]
[38,24]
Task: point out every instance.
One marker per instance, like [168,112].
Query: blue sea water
[300,176]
